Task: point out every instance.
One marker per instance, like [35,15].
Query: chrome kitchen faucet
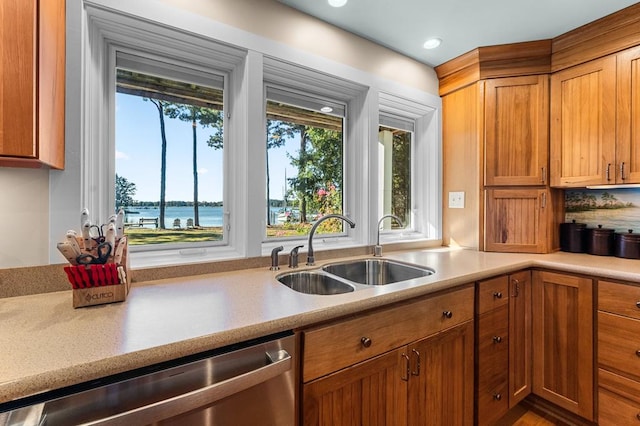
[310,259]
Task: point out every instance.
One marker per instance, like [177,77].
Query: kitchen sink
[376,271]
[314,282]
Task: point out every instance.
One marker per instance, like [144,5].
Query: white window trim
[94,21]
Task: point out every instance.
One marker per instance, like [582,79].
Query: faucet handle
[293,257]
[274,258]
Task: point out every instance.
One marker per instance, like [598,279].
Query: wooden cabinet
[618,353]
[595,126]
[521,220]
[628,118]
[563,367]
[32,87]
[398,365]
[516,123]
[504,333]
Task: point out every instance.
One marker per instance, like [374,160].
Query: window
[395,171]
[169,137]
[305,163]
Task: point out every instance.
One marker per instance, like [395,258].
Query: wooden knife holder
[102,294]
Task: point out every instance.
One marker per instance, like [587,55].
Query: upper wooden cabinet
[516,130]
[628,119]
[583,125]
[32,89]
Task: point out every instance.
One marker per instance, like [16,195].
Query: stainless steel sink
[376,271]
[314,282]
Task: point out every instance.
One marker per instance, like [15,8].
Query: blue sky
[138,151]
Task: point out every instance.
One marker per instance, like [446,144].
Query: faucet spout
[377,250]
[310,258]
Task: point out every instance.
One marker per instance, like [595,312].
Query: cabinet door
[583,124]
[628,121]
[516,220]
[520,336]
[441,384]
[516,130]
[369,393]
[563,365]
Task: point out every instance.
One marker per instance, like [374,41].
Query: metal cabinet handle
[447,314]
[622,171]
[544,175]
[497,295]
[406,370]
[638,353]
[607,172]
[544,200]
[638,304]
[366,342]
[497,396]
[638,416]
[416,372]
[201,397]
[497,339]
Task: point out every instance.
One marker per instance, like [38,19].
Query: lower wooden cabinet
[503,350]
[618,353]
[426,381]
[563,361]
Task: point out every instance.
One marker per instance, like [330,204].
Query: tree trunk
[163,163]
[303,168]
[196,214]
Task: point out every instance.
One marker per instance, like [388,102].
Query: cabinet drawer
[619,343]
[493,293]
[332,347]
[493,365]
[621,299]
[618,400]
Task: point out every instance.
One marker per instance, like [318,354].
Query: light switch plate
[456,200]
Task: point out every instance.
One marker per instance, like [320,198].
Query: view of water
[209,216]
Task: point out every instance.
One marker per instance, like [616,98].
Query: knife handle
[73,242]
[67,251]
[117,257]
[110,235]
[120,223]
[86,235]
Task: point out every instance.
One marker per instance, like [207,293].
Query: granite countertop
[46,344]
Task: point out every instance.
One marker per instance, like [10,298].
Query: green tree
[206,117]
[125,191]
[401,176]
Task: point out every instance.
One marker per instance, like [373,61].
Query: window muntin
[305,163]
[395,170]
[169,153]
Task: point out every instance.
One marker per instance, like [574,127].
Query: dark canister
[600,241]
[627,245]
[572,237]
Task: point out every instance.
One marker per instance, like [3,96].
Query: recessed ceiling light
[337,3]
[432,43]
[326,109]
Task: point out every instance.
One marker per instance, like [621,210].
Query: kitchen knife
[110,235]
[84,217]
[73,242]
[86,235]
[120,223]
[68,252]
[117,257]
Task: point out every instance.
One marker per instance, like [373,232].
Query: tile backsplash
[616,208]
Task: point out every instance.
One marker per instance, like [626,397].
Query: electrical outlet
[456,200]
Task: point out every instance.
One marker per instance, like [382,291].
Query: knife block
[113,292]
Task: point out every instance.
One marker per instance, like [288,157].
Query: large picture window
[305,163]
[169,152]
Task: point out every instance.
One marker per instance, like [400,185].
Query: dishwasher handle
[202,397]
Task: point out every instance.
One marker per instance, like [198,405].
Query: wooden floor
[520,416]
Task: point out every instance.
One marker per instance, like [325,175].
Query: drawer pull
[497,339]
[638,305]
[497,295]
[638,353]
[638,416]
[497,396]
[447,314]
[366,342]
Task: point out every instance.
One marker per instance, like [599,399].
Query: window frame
[250,60]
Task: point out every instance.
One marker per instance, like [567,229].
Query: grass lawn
[138,236]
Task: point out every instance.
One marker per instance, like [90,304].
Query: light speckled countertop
[46,344]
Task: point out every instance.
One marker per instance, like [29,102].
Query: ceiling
[463,25]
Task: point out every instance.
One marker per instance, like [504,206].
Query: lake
[209,216]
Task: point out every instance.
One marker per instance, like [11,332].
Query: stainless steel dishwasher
[249,384]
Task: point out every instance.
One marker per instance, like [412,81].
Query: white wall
[25,192]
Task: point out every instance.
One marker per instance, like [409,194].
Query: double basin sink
[345,277]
